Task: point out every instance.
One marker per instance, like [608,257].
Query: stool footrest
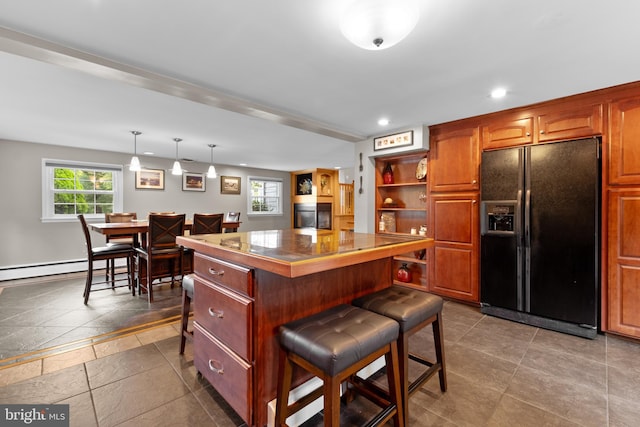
[434,368]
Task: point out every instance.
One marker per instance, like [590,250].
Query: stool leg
[439,343]
[393,360]
[331,401]
[403,362]
[186,304]
[284,386]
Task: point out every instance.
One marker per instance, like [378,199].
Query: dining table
[136,228]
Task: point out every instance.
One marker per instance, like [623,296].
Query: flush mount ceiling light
[211,173]
[378,24]
[134,165]
[499,92]
[177,169]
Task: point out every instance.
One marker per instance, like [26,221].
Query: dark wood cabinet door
[576,122]
[624,158]
[624,262]
[454,160]
[507,132]
[454,259]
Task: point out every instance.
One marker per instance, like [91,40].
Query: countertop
[298,252]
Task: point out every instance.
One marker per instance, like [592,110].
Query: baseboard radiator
[27,271]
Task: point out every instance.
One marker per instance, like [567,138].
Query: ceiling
[275,85]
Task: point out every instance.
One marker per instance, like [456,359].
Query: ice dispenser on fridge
[498,217]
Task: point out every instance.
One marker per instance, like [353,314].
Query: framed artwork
[150,179]
[230,184]
[392,141]
[193,181]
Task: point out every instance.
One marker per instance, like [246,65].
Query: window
[265,196]
[72,188]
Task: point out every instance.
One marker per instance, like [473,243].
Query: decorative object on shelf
[150,179]
[421,169]
[378,24]
[211,173]
[389,219]
[404,274]
[390,203]
[176,169]
[420,254]
[230,184]
[392,141]
[422,197]
[361,168]
[423,230]
[193,181]
[360,190]
[387,174]
[325,184]
[134,165]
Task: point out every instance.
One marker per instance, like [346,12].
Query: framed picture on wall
[230,184]
[392,141]
[193,181]
[150,179]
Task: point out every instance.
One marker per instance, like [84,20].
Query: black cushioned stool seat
[413,310]
[187,295]
[333,345]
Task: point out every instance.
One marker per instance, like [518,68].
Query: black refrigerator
[540,228]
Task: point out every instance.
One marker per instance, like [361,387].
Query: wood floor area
[500,373]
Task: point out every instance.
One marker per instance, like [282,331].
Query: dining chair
[158,258]
[232,217]
[105,253]
[118,239]
[207,223]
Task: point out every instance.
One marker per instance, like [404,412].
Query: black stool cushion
[188,284]
[338,337]
[408,307]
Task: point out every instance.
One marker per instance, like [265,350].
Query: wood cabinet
[507,131]
[314,195]
[624,262]
[454,159]
[402,207]
[222,333]
[543,124]
[624,158]
[455,255]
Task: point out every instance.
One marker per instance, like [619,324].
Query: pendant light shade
[378,24]
[134,165]
[177,169]
[211,173]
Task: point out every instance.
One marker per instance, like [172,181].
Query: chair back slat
[87,235]
[207,223]
[163,230]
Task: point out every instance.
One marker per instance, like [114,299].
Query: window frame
[48,190]
[280,196]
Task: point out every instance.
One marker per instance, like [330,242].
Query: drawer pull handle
[214,369]
[216,272]
[218,314]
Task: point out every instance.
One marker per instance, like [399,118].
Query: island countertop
[298,252]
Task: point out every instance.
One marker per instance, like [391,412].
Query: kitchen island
[247,284]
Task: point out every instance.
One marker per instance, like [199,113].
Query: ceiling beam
[21,44]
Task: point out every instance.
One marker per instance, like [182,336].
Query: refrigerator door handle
[527,250]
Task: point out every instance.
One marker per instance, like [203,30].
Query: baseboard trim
[18,272]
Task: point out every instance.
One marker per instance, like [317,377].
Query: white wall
[27,240]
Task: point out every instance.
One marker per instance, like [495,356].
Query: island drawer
[224,273]
[225,314]
[226,372]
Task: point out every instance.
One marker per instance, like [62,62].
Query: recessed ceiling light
[242,164]
[383,122]
[148,153]
[499,92]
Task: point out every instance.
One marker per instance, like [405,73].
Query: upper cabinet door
[507,132]
[578,122]
[624,159]
[454,160]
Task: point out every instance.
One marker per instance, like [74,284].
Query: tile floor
[499,373]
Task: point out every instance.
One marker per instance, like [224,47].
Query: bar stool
[188,285]
[333,345]
[413,310]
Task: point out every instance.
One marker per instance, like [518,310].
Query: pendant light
[378,24]
[134,165]
[211,173]
[177,169]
